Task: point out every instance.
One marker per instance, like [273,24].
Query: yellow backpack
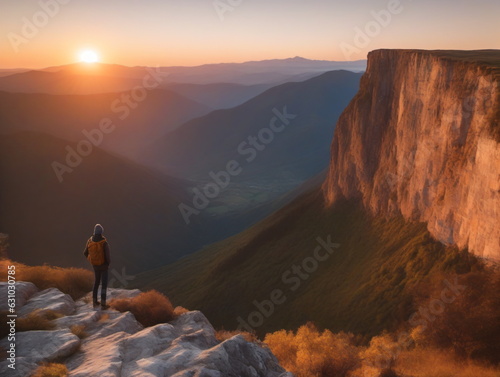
[96,252]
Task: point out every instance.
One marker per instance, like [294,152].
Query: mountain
[138,208]
[8,72]
[292,124]
[274,71]
[77,78]
[219,95]
[351,254]
[83,78]
[137,123]
[432,152]
[286,154]
[338,267]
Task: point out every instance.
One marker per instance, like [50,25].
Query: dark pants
[101,274]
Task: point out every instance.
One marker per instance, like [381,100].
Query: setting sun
[89,56]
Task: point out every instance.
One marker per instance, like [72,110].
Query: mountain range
[83,78]
[137,207]
[43,134]
[411,194]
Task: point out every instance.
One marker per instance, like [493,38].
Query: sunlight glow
[89,56]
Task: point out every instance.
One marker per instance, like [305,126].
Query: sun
[89,56]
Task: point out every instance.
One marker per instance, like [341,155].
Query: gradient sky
[190,32]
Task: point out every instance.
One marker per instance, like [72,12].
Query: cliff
[114,344]
[421,138]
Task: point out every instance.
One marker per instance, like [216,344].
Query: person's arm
[86,251]
[107,254]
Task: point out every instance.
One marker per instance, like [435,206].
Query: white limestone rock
[49,299]
[23,291]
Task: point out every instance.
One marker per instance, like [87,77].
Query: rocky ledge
[117,345]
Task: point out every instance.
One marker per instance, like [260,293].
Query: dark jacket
[107,257]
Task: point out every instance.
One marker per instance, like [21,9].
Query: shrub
[432,362]
[310,352]
[74,281]
[222,335]
[149,308]
[382,352]
[179,310]
[470,325]
[51,370]
[388,373]
[79,331]
[37,321]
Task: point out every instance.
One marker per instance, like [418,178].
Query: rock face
[422,139]
[116,345]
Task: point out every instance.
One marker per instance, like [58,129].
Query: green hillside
[365,286]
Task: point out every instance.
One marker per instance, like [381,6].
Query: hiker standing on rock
[97,252]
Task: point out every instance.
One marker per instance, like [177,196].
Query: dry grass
[52,314]
[149,308]
[435,363]
[51,370]
[74,281]
[222,335]
[470,325]
[37,320]
[311,353]
[179,310]
[79,331]
[104,317]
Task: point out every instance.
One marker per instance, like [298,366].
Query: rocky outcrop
[421,139]
[24,290]
[116,345]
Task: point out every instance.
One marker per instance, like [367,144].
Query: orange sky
[43,33]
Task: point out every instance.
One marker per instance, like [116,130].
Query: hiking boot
[96,304]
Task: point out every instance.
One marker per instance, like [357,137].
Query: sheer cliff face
[421,139]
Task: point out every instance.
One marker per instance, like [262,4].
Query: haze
[193,32]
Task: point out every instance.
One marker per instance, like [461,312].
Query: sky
[37,34]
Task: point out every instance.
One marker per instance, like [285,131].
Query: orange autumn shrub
[311,353]
[149,308]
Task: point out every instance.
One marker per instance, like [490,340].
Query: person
[97,253]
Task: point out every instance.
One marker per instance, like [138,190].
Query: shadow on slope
[49,222]
[364,286]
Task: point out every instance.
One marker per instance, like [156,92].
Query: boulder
[116,345]
[24,290]
[23,367]
[44,346]
[49,299]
